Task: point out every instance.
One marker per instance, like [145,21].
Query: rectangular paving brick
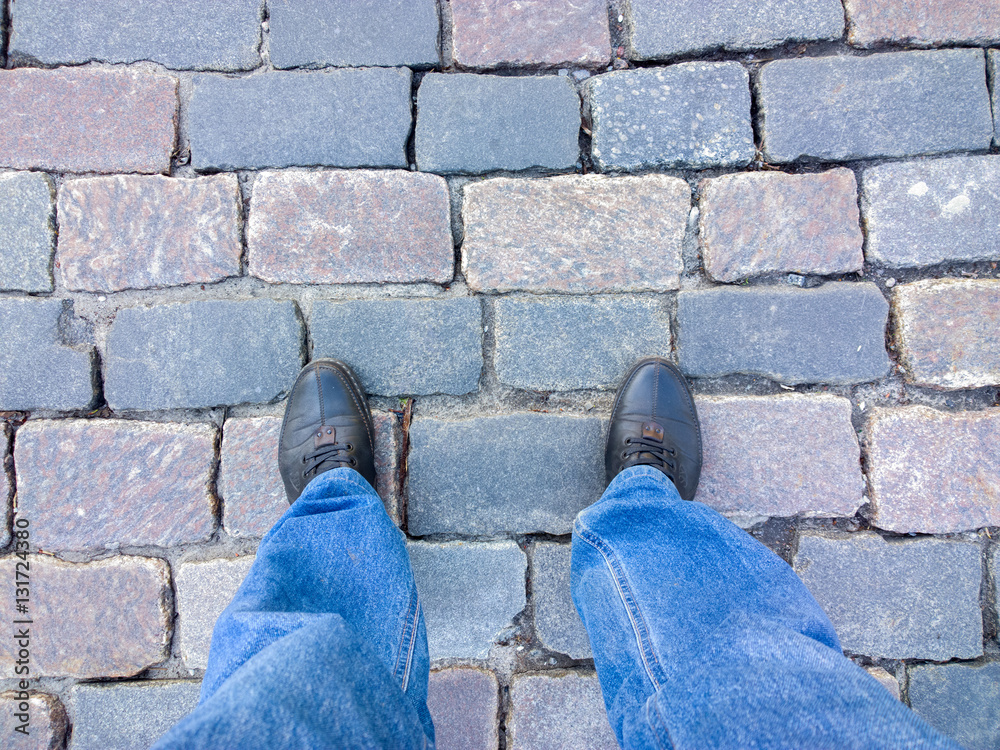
[819,473]
[557,623]
[960,700]
[95,483]
[208,34]
[693,115]
[464,702]
[490,33]
[565,343]
[575,233]
[470,593]
[934,472]
[770,222]
[129,714]
[946,332]
[46,720]
[341,118]
[916,599]
[922,22]
[558,709]
[136,232]
[203,353]
[27,231]
[517,473]
[404,346]
[840,107]
[925,212]
[118,626]
[833,334]
[87,120]
[660,29]
[474,123]
[350,227]
[204,590]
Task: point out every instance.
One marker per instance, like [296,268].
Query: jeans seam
[407,642]
[657,724]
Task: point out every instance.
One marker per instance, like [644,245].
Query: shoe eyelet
[350,447]
[628,441]
[354,462]
[624,455]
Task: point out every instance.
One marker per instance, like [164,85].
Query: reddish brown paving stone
[87,120]
[922,22]
[464,703]
[47,721]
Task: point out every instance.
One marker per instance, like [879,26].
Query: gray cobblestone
[463,703]
[993,73]
[128,715]
[204,590]
[564,711]
[557,622]
[960,700]
[27,231]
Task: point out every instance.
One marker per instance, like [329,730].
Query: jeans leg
[324,643]
[702,637]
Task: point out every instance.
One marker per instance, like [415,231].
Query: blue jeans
[701,636]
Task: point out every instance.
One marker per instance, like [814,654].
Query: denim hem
[407,642]
[341,474]
[635,474]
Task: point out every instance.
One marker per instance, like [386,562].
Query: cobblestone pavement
[492,209]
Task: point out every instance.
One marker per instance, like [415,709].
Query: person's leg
[702,637]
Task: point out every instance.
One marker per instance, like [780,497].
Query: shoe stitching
[350,389]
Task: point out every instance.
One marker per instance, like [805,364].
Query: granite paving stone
[118,626]
[932,471]
[511,473]
[316,33]
[340,118]
[38,367]
[833,334]
[207,35]
[562,711]
[946,329]
[470,593]
[6,483]
[128,715]
[350,227]
[204,590]
[930,211]
[839,108]
[994,567]
[87,120]
[557,622]
[45,717]
[914,599]
[27,231]
[404,346]
[575,233]
[489,33]
[476,123]
[960,700]
[886,680]
[818,474]
[660,29]
[203,353]
[922,22]
[464,702]
[993,75]
[565,343]
[135,232]
[768,222]
[91,484]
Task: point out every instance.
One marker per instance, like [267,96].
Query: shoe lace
[650,453]
[329,456]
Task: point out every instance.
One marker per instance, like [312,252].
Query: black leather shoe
[327,425]
[654,423]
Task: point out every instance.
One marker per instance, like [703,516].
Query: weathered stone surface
[575,233]
[118,626]
[487,33]
[922,22]
[87,120]
[994,566]
[925,212]
[510,473]
[765,222]
[204,590]
[404,346]
[128,715]
[819,473]
[341,118]
[557,622]
[469,592]
[38,368]
[562,710]
[565,343]
[209,34]
[350,226]
[894,104]
[960,700]
[27,231]
[47,721]
[898,600]
[203,353]
[693,115]
[934,472]
[6,483]
[95,483]
[946,331]
[993,74]
[664,28]
[885,679]
[132,232]
[473,123]
[309,33]
[464,703]
[833,334]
